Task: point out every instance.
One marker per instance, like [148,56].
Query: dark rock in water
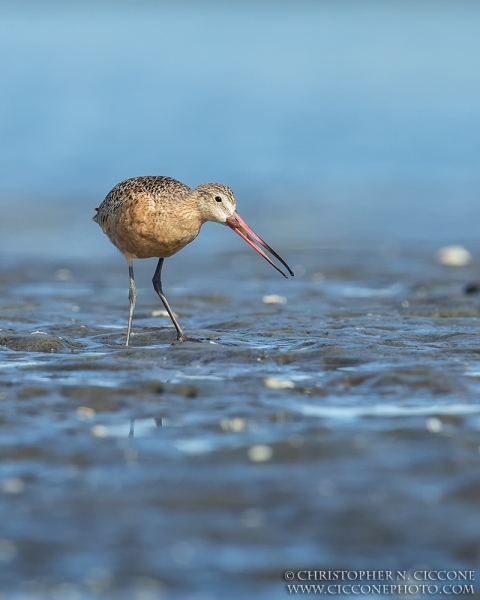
[37,342]
[472,288]
[188,391]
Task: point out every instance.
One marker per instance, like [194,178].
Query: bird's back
[155,186]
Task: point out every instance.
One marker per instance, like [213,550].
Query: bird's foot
[185,338]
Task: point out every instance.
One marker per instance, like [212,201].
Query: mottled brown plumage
[155,216]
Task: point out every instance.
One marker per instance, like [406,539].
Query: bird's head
[216,202]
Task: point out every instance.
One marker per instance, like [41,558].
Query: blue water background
[332,121]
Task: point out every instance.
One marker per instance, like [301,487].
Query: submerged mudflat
[326,422]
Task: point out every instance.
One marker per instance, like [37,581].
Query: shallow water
[338,430]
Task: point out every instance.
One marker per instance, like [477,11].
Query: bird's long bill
[238,225]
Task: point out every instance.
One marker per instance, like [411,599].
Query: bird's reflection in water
[158,423]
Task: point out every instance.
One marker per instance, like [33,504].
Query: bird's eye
[218,198]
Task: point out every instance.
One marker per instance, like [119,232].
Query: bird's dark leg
[157,284]
[132,296]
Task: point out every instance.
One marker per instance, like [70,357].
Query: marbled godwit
[147,217]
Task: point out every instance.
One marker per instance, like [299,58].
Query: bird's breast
[146,228]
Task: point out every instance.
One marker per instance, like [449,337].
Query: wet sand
[336,430]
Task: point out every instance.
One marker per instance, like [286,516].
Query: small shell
[453,256]
[278,384]
[274,299]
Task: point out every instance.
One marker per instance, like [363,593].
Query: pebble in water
[85,413]
[453,256]
[274,299]
[278,384]
[434,425]
[260,453]
[13,485]
[99,431]
[235,424]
